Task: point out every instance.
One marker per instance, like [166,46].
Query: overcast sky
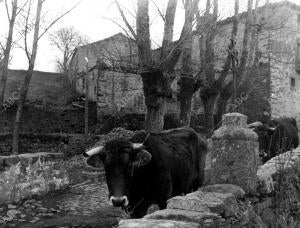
[93,19]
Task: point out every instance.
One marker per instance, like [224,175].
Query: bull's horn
[137,146]
[255,124]
[272,128]
[94,151]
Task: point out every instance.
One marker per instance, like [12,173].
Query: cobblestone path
[84,204]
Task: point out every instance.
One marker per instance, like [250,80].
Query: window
[293,84]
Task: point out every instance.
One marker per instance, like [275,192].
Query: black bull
[275,137]
[166,164]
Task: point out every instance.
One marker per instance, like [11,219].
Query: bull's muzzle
[119,201]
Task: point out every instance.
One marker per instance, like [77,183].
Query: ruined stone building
[275,83]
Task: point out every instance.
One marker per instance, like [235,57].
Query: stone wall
[285,81]
[45,119]
[33,143]
[68,144]
[219,205]
[120,91]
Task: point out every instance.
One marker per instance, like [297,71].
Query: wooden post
[86,101]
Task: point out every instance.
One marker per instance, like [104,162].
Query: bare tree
[215,89]
[248,60]
[31,57]
[209,87]
[157,74]
[6,53]
[66,40]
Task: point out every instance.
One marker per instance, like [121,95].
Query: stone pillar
[235,153]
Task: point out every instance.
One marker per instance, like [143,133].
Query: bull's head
[119,158]
[264,133]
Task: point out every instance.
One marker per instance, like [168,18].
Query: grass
[287,192]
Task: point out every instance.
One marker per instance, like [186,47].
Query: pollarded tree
[157,74]
[215,90]
[66,40]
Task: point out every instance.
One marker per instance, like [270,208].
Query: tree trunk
[156,90]
[208,96]
[155,118]
[187,82]
[209,104]
[187,89]
[21,102]
[143,34]
[222,104]
[4,65]
[168,28]
[28,76]
[185,111]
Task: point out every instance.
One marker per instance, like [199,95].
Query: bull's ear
[141,158]
[96,161]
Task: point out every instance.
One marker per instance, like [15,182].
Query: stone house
[275,82]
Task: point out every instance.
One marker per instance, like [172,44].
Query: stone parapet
[210,206]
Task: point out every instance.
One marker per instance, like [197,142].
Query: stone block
[237,191]
[151,223]
[220,203]
[183,215]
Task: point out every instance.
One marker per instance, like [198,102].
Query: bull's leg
[166,192]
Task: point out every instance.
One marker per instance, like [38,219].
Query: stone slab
[151,223]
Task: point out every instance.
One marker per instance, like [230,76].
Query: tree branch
[125,20]
[57,19]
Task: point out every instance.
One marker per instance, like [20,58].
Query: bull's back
[181,151]
[187,159]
